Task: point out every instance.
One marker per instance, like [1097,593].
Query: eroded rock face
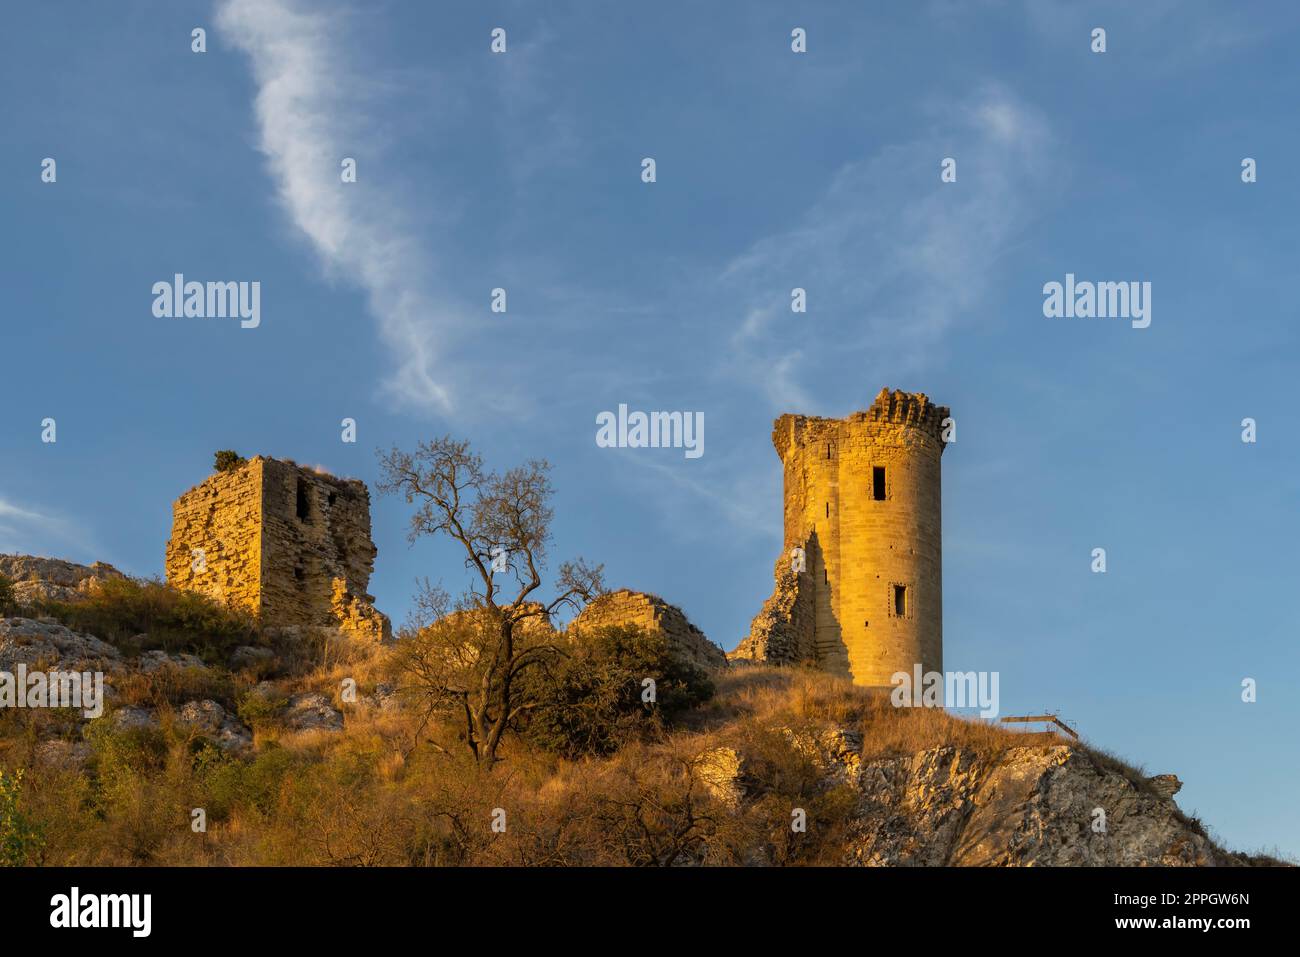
[385,698]
[52,578]
[625,607]
[835,752]
[211,720]
[152,661]
[46,643]
[131,718]
[312,711]
[1166,785]
[65,755]
[1029,806]
[720,771]
[204,717]
[249,656]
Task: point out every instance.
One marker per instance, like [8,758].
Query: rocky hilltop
[52,578]
[1031,805]
[317,755]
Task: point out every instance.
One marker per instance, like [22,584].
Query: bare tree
[472,655]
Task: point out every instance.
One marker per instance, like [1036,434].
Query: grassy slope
[394,789]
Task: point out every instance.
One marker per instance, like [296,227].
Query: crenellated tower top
[891,406]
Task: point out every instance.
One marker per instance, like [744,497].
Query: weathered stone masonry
[862,499]
[653,614]
[289,544]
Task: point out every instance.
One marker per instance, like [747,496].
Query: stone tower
[289,544]
[864,598]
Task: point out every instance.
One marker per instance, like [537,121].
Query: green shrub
[20,839]
[253,785]
[591,702]
[8,603]
[121,610]
[227,460]
[258,709]
[125,755]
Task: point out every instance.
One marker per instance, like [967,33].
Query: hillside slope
[313,752]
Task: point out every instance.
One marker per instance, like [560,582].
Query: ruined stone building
[859,587]
[652,614]
[289,544]
[622,608]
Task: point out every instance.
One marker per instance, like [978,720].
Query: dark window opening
[331,499]
[304,505]
[828,509]
[878,483]
[828,450]
[900,601]
[298,574]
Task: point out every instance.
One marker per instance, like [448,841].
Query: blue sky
[774,170]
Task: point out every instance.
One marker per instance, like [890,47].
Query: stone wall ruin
[291,545]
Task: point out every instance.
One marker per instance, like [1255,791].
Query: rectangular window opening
[304,504]
[900,601]
[878,483]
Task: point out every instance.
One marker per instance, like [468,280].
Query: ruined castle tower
[864,597]
[289,544]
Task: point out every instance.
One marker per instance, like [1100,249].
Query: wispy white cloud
[891,270]
[536,116]
[25,530]
[896,267]
[749,501]
[11,511]
[311,112]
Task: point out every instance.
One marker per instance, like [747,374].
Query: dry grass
[391,790]
[803,697]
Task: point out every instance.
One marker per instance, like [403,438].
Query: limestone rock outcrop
[210,719]
[131,718]
[652,613]
[58,753]
[952,806]
[1033,806]
[54,579]
[45,643]
[250,657]
[312,711]
[1166,785]
[721,771]
[152,661]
